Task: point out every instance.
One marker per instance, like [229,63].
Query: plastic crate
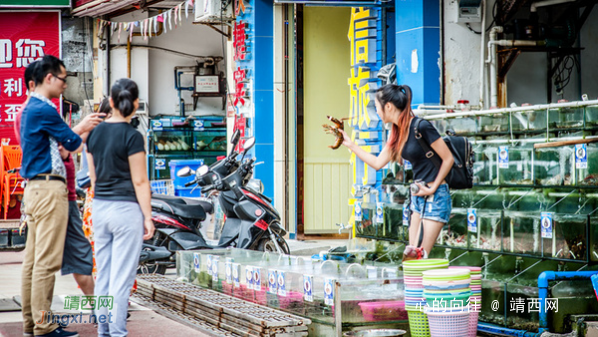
[162,187]
[188,192]
[176,165]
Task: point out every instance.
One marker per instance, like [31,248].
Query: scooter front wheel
[267,245]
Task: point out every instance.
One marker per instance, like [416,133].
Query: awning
[97,8]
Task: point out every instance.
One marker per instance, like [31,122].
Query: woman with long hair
[121,206]
[393,105]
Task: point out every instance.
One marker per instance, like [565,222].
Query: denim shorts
[438,208]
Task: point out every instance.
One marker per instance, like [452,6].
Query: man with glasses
[45,198]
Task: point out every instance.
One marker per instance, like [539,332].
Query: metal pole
[338,320]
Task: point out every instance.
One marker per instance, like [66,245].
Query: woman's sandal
[414,253]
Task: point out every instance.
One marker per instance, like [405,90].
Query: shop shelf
[568,237]
[485,165]
[589,176]
[565,118]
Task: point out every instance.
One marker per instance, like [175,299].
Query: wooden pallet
[221,311]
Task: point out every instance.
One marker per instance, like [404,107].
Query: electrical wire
[471,29]
[562,75]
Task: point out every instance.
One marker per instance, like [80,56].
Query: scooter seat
[207,206]
[195,212]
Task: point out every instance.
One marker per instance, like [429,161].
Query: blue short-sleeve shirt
[41,131]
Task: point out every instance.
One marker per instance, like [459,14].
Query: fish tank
[485,165]
[554,166]
[515,165]
[454,233]
[593,239]
[565,236]
[485,230]
[494,123]
[394,224]
[463,125]
[566,118]
[591,117]
[530,120]
[361,294]
[367,225]
[521,233]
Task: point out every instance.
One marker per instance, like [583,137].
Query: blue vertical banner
[365,36]
[253,41]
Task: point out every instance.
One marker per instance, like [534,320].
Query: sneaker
[60,332]
[414,253]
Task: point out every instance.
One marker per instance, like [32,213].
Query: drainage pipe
[548,276]
[482,54]
[492,62]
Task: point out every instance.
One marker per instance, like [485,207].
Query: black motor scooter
[251,221]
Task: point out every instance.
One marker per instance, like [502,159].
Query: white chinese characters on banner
[27,51]
[11,111]
[13,86]
[5,53]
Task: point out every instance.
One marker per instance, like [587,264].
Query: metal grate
[225,312]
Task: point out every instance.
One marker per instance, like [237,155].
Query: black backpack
[461,174]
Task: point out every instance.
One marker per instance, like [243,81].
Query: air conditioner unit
[210,11]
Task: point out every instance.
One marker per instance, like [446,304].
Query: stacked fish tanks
[533,208]
[336,296]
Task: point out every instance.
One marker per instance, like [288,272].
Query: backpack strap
[430,154]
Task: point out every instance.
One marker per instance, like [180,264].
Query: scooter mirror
[185,172]
[249,143]
[202,170]
[235,138]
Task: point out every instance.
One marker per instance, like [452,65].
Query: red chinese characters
[240,40]
[240,76]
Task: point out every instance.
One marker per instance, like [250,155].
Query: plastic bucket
[418,324]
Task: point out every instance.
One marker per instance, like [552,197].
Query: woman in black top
[393,105]
[122,212]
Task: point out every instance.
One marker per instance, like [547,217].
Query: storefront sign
[240,124]
[36,3]
[240,40]
[24,38]
[369,132]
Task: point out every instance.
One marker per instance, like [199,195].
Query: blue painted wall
[418,29]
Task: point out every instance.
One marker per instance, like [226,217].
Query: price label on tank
[157,125]
[503,157]
[358,212]
[160,164]
[215,260]
[472,220]
[209,264]
[405,215]
[379,212]
[198,125]
[236,274]
[308,281]
[272,281]
[228,271]
[329,291]
[196,262]
[257,278]
[581,156]
[546,223]
[282,283]
[408,165]
[249,276]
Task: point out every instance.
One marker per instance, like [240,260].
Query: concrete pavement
[143,321]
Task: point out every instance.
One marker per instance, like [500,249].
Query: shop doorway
[323,65]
